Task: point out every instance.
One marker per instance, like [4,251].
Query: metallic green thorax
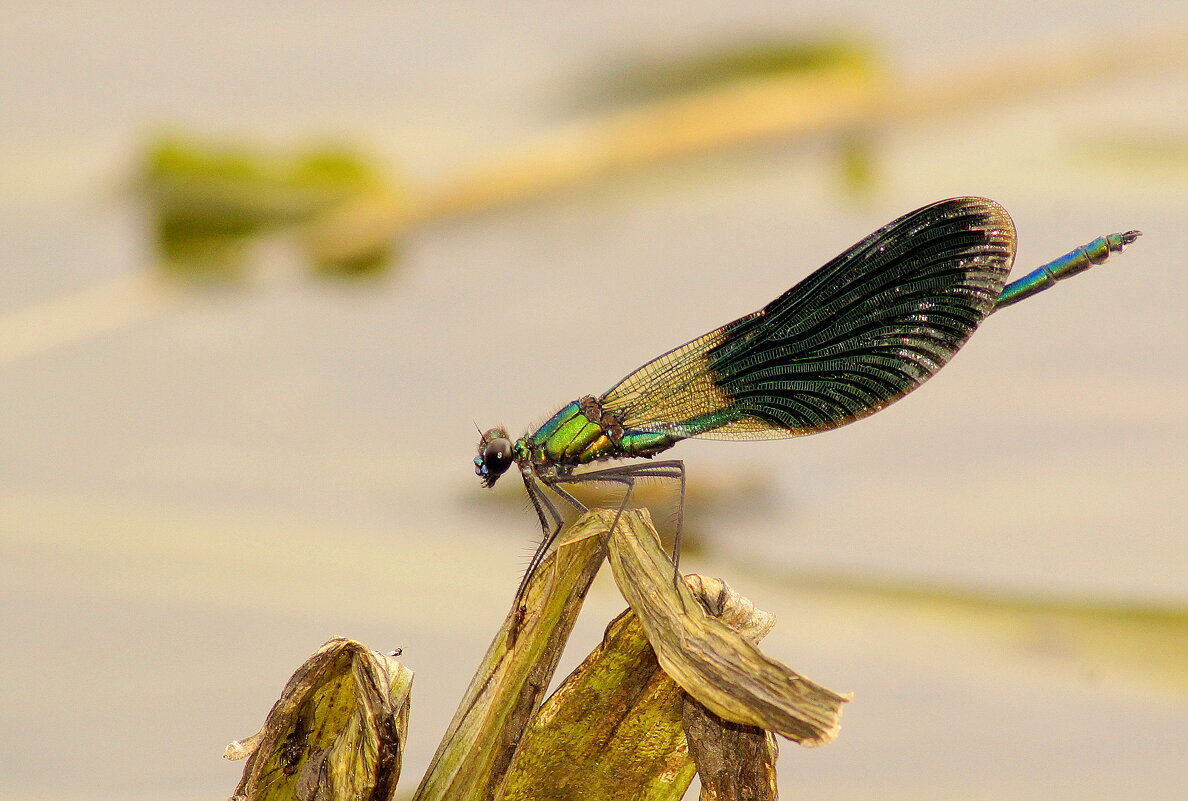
[582,433]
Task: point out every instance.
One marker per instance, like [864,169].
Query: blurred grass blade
[730,115]
[1142,644]
[720,668]
[210,204]
[60,321]
[474,755]
[337,733]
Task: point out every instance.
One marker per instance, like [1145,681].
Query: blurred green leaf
[650,79]
[356,265]
[210,202]
[857,163]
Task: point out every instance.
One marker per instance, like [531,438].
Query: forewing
[862,331]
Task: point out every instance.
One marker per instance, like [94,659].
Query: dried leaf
[614,728]
[611,731]
[479,745]
[717,666]
[337,732]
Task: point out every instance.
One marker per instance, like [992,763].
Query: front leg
[626,475]
[550,526]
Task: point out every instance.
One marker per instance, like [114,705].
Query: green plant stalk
[507,689]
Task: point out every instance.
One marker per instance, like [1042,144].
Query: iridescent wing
[859,333]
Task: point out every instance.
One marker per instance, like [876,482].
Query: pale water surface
[193,502]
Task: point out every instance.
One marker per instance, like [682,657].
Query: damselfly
[856,335]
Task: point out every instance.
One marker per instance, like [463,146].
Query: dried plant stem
[833,99]
[45,326]
[783,107]
[507,689]
[748,111]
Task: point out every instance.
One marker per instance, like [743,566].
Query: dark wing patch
[862,331]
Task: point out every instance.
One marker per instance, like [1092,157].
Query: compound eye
[497,456]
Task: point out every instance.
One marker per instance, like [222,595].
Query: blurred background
[266,267]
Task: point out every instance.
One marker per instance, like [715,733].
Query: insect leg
[627,474]
[550,526]
[614,475]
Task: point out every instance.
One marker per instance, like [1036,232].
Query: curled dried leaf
[337,731]
[735,610]
[616,727]
[720,668]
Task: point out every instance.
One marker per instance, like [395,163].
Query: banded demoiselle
[858,334]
